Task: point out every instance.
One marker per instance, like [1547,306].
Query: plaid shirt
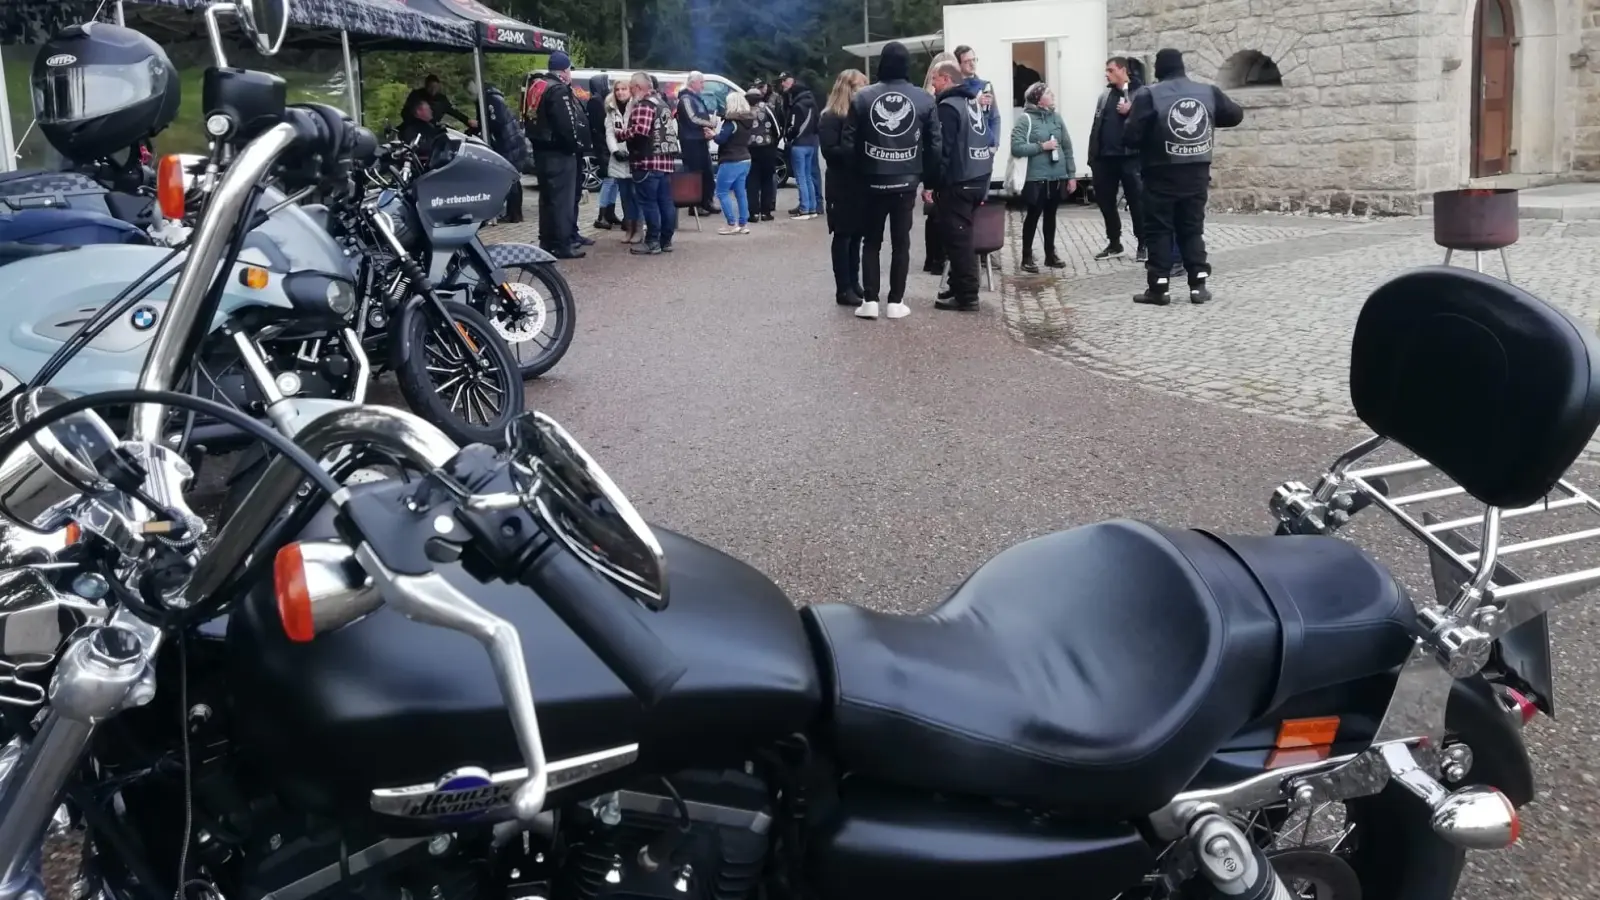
[641,124]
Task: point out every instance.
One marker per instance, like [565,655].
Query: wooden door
[1493,65]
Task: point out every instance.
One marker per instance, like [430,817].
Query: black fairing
[876,843]
[387,702]
[469,189]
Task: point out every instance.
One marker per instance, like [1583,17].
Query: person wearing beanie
[554,120]
[1172,125]
[766,136]
[894,132]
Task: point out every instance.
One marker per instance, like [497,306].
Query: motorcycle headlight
[341,297]
[55,466]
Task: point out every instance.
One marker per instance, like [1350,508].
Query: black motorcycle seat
[1094,671]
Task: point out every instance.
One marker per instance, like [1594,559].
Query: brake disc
[522,315]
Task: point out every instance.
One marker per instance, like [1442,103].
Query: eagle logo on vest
[1189,125]
[893,114]
[980,122]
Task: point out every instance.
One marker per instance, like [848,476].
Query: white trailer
[1062,40]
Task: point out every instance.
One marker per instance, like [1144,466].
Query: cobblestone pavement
[1276,339]
[880,462]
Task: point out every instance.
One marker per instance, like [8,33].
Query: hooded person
[893,132]
[504,134]
[599,92]
[800,136]
[1172,126]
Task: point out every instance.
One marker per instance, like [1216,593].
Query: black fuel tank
[388,703]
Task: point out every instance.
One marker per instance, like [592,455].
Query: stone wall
[1344,132]
[1583,90]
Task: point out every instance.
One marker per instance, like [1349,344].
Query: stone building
[1372,105]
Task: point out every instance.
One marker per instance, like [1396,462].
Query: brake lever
[432,600]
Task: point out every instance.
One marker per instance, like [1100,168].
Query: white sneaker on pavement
[898,311]
[867,310]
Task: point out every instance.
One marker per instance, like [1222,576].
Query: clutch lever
[432,600]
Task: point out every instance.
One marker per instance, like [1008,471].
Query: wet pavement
[879,462]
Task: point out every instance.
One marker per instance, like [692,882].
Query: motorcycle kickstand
[1234,867]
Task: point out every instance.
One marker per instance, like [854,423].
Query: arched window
[1249,68]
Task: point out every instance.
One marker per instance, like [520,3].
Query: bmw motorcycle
[488,676]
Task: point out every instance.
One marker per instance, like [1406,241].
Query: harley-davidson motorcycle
[486,675]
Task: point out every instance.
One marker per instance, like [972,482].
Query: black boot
[846,298]
[1155,294]
[1054,261]
[601,222]
[1029,266]
[1198,292]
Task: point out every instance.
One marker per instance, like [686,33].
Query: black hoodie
[802,129]
[599,87]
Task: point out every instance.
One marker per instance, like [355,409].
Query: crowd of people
[886,143]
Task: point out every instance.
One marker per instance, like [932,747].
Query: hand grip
[608,621]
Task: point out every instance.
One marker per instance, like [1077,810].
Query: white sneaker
[868,310]
[898,311]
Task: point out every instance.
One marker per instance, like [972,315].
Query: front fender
[503,255]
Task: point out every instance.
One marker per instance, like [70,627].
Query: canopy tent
[494,31]
[352,25]
[927,43]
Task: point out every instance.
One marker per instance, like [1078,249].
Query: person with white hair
[696,127]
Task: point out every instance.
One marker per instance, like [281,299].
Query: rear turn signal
[1302,741]
[169,186]
[320,588]
[1477,818]
[1519,705]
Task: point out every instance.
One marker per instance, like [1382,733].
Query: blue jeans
[730,187]
[803,166]
[608,193]
[654,193]
[630,205]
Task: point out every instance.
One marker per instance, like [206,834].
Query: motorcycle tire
[553,297]
[435,359]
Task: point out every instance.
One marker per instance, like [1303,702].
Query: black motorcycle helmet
[99,89]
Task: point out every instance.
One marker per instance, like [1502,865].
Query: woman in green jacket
[1041,138]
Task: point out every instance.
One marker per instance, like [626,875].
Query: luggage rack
[1480,598]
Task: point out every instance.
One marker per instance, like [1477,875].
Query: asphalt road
[879,462]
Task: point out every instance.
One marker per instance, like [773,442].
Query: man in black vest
[966,162]
[1173,127]
[894,134]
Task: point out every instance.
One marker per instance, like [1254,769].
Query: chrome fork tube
[103,670]
[223,210]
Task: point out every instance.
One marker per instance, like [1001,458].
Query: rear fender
[1475,717]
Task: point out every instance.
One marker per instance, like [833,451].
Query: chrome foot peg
[1475,818]
[1235,868]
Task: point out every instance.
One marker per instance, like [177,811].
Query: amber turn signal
[1303,741]
[169,186]
[320,588]
[253,277]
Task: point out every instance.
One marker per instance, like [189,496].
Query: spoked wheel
[533,310]
[472,398]
[1309,850]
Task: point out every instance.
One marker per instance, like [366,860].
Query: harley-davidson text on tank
[471,793]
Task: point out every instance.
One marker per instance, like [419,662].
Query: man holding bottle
[1113,164]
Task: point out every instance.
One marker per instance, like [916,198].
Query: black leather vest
[890,118]
[974,158]
[1184,125]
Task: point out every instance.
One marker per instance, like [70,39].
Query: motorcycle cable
[103,318]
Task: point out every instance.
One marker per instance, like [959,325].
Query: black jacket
[803,119]
[956,141]
[1106,135]
[556,121]
[503,130]
[1143,133]
[842,190]
[599,87]
[894,154]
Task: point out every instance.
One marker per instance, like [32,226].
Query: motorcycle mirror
[583,508]
[266,22]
